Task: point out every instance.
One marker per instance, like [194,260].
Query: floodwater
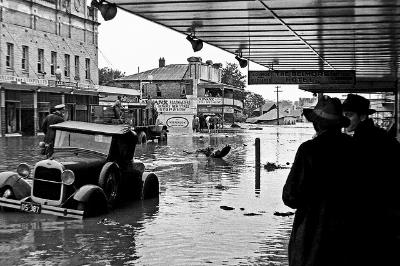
[187,225]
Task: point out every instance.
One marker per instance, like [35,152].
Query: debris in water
[226,208]
[283,213]
[252,214]
[107,221]
[220,186]
[242,209]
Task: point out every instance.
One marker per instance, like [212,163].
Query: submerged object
[283,213]
[221,153]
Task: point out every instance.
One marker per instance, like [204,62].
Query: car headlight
[24,170]
[68,177]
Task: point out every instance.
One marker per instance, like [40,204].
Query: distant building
[180,91]
[271,118]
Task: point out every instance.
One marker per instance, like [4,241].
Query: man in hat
[53,118]
[318,186]
[378,183]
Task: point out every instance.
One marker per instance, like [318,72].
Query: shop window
[25,58]
[53,63]
[40,63]
[10,56]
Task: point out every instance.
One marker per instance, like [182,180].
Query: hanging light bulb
[108,10]
[242,61]
[196,43]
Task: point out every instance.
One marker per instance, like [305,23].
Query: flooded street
[187,225]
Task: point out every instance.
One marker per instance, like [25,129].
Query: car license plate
[30,207]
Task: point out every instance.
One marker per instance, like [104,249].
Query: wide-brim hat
[327,113]
[59,107]
[358,104]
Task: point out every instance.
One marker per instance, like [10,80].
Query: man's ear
[363,117]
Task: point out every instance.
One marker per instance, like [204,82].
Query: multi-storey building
[180,91]
[48,56]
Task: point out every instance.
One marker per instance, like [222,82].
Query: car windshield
[94,142]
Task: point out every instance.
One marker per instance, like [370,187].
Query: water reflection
[187,225]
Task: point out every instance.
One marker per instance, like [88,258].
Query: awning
[359,35]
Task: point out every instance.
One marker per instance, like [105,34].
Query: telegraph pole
[277,104]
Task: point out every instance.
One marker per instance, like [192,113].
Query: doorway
[13,117]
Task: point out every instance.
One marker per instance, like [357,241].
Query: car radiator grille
[43,188]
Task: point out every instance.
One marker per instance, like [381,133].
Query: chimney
[161,62]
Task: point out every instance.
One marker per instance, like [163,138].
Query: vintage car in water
[91,171]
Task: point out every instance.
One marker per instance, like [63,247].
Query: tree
[106,75]
[252,101]
[231,75]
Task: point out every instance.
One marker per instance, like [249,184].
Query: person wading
[53,118]
[319,187]
[378,219]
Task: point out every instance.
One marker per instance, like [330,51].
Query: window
[10,56]
[40,63]
[158,91]
[77,67]
[53,63]
[25,58]
[87,68]
[67,65]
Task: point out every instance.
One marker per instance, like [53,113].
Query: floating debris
[283,213]
[252,214]
[220,186]
[226,208]
[273,166]
[107,221]
[242,209]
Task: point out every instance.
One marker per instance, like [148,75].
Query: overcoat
[319,187]
[50,133]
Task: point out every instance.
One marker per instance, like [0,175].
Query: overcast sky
[130,43]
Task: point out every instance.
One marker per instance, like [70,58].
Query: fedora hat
[327,113]
[358,104]
[59,106]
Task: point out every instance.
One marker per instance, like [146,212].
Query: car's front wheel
[109,182]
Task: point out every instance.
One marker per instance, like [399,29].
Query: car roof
[90,128]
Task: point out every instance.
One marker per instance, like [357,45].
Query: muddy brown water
[210,211]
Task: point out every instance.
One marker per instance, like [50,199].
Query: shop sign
[209,100]
[228,110]
[177,121]
[209,109]
[172,105]
[347,77]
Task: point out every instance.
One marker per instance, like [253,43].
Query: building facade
[48,56]
[180,91]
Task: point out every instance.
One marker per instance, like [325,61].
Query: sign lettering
[302,77]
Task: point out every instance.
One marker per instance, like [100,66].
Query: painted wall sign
[302,77]
[177,121]
[173,105]
[209,100]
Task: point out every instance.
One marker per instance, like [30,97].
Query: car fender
[87,193]
[151,186]
[20,186]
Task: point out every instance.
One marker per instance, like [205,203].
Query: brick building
[48,56]
[183,90]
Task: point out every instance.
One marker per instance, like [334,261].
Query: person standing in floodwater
[378,220]
[54,118]
[319,188]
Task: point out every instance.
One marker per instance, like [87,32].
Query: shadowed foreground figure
[319,188]
[377,191]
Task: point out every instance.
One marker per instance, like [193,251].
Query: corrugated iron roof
[168,72]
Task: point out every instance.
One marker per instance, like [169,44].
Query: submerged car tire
[109,181]
[151,187]
[142,137]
